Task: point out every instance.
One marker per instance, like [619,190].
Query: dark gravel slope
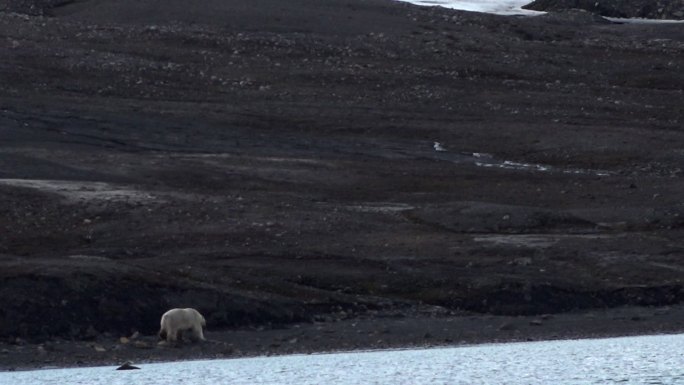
[273,163]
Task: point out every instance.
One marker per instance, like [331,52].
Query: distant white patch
[81,190]
[380,207]
[536,241]
[488,161]
[438,147]
[644,21]
[255,158]
[481,155]
[499,7]
[507,164]
[88,258]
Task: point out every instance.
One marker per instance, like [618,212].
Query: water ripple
[629,360]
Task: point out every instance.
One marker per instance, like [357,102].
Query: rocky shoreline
[328,162]
[391,331]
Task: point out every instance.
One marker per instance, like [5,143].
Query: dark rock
[90,334]
[142,345]
[127,366]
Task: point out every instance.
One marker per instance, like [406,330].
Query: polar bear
[176,321]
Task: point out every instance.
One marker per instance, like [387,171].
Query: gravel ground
[319,163]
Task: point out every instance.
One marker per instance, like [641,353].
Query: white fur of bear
[176,321]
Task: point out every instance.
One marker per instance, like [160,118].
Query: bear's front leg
[196,333]
[172,336]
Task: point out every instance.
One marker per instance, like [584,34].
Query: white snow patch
[644,21]
[438,147]
[81,190]
[381,207]
[514,7]
[273,159]
[499,7]
[95,258]
[540,241]
[488,161]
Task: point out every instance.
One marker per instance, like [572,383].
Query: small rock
[438,147]
[143,345]
[99,348]
[507,326]
[127,366]
[662,311]
[90,333]
[522,261]
[134,336]
[536,322]
[124,340]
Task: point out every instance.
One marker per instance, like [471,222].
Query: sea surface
[628,360]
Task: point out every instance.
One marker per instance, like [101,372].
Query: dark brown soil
[326,163]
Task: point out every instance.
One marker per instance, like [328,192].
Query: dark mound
[33,7]
[573,16]
[648,9]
